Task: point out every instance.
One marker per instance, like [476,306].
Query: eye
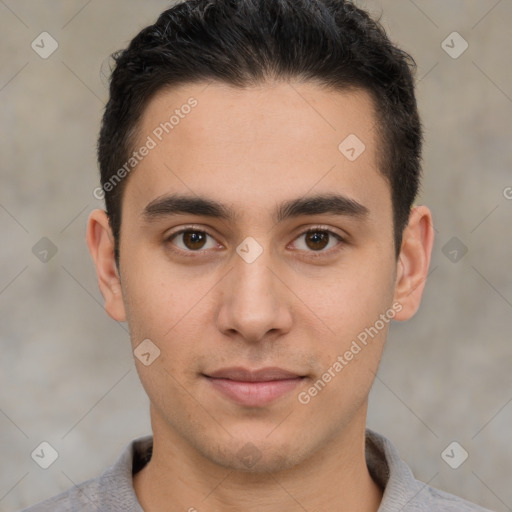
[191,240]
[315,240]
[318,239]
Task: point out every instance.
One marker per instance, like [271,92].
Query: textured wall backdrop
[66,370]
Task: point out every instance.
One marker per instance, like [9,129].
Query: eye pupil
[316,239]
[194,239]
[320,239]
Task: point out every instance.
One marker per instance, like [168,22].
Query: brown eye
[317,240]
[190,240]
[194,240]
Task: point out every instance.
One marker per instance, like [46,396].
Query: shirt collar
[390,472]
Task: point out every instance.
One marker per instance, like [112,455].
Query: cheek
[163,311]
[168,307]
[155,301]
[349,298]
[348,368]
[358,306]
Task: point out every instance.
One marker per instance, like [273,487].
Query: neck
[335,478]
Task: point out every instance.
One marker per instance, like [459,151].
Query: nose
[254,304]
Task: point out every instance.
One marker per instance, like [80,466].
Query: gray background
[66,370]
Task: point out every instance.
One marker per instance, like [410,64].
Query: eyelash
[312,254]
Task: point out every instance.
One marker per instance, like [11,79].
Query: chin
[257,456]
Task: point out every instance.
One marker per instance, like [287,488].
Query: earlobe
[100,241]
[414,261]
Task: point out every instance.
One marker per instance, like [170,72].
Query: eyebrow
[177,204]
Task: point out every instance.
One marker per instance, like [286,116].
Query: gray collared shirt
[113,490]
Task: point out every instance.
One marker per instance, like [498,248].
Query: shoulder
[80,497]
[440,500]
[111,492]
[401,489]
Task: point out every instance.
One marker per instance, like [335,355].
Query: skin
[252,149]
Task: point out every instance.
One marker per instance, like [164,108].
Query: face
[251,240]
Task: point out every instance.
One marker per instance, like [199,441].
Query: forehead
[252,147]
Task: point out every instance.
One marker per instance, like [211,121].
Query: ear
[101,246]
[413,261]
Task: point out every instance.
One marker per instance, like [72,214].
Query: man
[259,160]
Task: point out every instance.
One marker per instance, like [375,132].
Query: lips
[262,375]
[253,388]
